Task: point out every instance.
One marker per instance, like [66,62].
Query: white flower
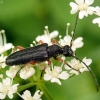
[87,62]
[6,88]
[76,64]
[3,45]
[27,95]
[2,61]
[55,74]
[83,6]
[97,12]
[46,38]
[77,43]
[96,20]
[12,71]
[27,71]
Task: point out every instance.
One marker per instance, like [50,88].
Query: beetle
[38,54]
[43,52]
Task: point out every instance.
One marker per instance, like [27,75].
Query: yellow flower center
[55,73]
[78,66]
[83,6]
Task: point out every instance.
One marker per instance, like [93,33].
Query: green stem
[24,87]
[45,91]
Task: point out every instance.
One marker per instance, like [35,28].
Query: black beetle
[38,54]
[42,53]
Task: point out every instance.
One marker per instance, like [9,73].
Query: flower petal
[56,80]
[27,93]
[12,71]
[74,72]
[79,1]
[74,7]
[37,95]
[14,88]
[97,9]
[58,69]
[90,10]
[89,2]
[54,34]
[64,75]
[47,77]
[82,14]
[6,81]
[96,20]
[67,39]
[2,96]
[10,95]
[77,43]
[27,72]
[87,61]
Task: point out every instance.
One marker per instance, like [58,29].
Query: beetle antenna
[73,32]
[93,75]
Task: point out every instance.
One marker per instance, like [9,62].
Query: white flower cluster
[47,70]
[51,73]
[84,9]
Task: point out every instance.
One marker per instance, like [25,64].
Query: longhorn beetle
[44,52]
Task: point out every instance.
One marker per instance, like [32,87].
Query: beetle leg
[41,42]
[60,60]
[32,62]
[18,71]
[54,41]
[18,47]
[49,62]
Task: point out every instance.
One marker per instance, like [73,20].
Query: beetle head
[67,51]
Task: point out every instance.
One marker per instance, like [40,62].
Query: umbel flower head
[6,88]
[83,6]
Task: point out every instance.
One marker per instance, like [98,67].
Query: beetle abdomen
[36,54]
[26,58]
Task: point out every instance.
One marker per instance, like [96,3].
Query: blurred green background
[24,20]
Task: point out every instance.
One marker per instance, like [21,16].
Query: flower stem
[74,29]
[45,91]
[24,87]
